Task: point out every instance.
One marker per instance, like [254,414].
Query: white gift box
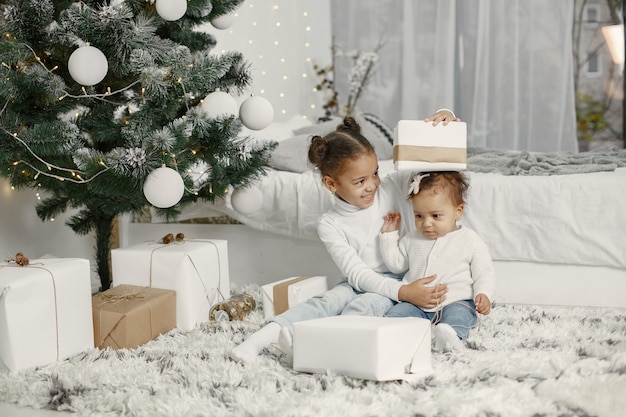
[196,269]
[45,311]
[281,295]
[375,348]
[420,146]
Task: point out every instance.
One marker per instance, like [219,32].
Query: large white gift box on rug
[375,348]
[45,311]
[420,146]
[197,269]
[279,296]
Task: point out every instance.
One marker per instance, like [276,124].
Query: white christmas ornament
[219,103]
[247,200]
[164,187]
[171,9]
[88,65]
[256,113]
[223,22]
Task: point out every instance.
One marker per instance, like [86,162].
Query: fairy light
[281,34]
[74,174]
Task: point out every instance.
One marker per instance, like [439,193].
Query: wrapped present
[420,146]
[375,348]
[44,311]
[279,296]
[196,269]
[127,316]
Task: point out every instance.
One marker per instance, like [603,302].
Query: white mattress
[577,219]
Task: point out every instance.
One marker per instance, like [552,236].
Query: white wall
[281,39]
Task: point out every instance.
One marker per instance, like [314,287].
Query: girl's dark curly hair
[331,152]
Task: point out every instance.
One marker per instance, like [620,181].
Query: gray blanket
[544,163]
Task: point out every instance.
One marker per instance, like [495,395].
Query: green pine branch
[90,148]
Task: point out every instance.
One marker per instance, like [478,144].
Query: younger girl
[457,254]
[349,169]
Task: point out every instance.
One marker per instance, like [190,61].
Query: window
[592,14]
[593,64]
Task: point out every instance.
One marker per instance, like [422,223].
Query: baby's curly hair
[456,184]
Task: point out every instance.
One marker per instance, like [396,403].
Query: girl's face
[435,213]
[358,182]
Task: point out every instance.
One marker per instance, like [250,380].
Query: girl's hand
[483,305]
[419,295]
[444,116]
[391,222]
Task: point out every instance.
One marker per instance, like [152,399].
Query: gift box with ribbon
[196,269]
[420,146]
[127,316]
[374,348]
[44,311]
[281,295]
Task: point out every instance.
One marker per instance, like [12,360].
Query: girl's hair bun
[349,124]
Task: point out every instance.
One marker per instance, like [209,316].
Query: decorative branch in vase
[359,77]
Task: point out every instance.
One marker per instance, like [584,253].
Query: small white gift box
[197,269]
[375,348]
[279,296]
[420,146]
[45,311]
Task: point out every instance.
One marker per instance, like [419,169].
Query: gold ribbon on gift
[281,294]
[429,154]
[116,298]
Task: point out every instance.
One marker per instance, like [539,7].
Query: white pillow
[292,154]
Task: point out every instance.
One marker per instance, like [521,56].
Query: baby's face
[435,213]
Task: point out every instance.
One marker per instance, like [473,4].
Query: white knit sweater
[351,235]
[460,259]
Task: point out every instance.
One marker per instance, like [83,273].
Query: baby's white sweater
[350,235]
[460,259]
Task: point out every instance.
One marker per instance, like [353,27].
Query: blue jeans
[460,315]
[341,299]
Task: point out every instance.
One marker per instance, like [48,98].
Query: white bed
[555,239]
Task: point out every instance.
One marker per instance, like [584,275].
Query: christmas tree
[97,96]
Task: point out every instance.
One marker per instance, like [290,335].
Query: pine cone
[21,260]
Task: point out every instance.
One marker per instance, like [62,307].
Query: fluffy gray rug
[521,361]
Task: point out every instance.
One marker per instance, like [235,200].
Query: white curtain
[505,67]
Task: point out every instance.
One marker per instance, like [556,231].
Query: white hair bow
[414,187]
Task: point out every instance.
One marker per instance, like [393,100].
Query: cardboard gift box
[279,296]
[127,316]
[420,146]
[375,348]
[44,311]
[197,270]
